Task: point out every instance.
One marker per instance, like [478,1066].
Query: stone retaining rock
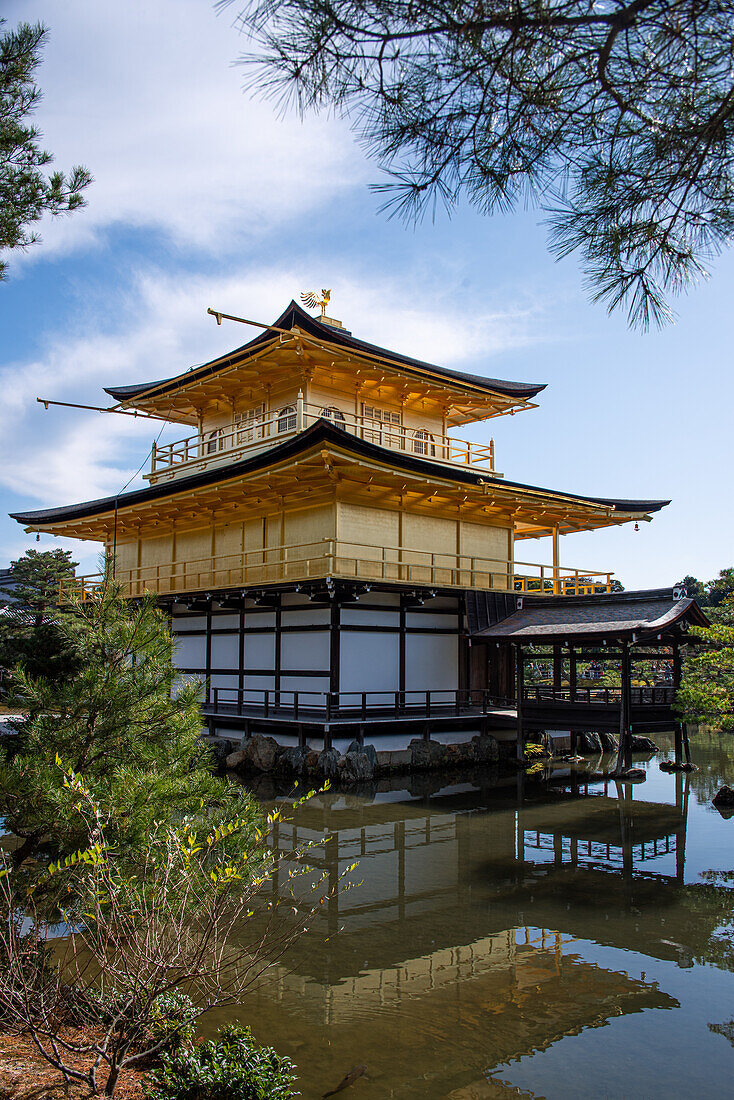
[643,744]
[356,767]
[724,798]
[397,760]
[609,742]
[462,753]
[426,754]
[486,749]
[257,754]
[328,763]
[236,759]
[293,759]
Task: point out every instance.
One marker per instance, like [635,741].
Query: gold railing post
[299,412]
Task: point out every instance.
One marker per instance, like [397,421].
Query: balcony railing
[225,445]
[654,695]
[347,560]
[329,705]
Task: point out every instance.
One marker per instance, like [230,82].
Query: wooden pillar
[626,702]
[556,560]
[573,685]
[557,667]
[682,745]
[624,756]
[519,693]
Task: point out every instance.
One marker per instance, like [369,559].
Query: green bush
[230,1067]
[172,1020]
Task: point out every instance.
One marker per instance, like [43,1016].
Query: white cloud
[146,96]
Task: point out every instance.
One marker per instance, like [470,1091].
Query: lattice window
[384,416]
[215,441]
[249,425]
[330,412]
[423,443]
[287,418]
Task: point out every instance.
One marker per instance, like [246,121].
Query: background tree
[695,589]
[27,191]
[616,118]
[35,579]
[31,637]
[720,590]
[706,694]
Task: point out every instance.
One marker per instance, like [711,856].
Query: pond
[563,938]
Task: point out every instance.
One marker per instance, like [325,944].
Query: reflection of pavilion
[620,832]
[443,948]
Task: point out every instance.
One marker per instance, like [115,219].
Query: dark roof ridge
[321,430]
[627,596]
[294,315]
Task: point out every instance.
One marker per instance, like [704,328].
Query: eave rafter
[290,355]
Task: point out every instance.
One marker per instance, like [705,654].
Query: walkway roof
[621,616]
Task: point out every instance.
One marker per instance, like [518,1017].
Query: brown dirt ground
[25,1075]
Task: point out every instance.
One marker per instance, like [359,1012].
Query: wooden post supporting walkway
[519,693]
[624,755]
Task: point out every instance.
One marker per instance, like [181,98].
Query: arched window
[215,441]
[423,443]
[330,412]
[287,419]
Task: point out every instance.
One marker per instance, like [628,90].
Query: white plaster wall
[305,651]
[189,622]
[354,616]
[425,620]
[225,622]
[259,651]
[431,662]
[222,681]
[225,651]
[304,684]
[369,662]
[313,616]
[257,684]
[260,619]
[190,652]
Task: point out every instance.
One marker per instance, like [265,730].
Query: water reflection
[466,946]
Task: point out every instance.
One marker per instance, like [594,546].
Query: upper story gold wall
[340,538]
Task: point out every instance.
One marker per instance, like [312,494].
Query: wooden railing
[589,696]
[328,705]
[346,560]
[226,445]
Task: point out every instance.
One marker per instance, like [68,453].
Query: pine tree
[123,723]
[616,119]
[31,637]
[27,192]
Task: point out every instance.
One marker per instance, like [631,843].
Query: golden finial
[311,300]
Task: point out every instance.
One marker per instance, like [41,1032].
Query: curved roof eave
[321,431]
[294,315]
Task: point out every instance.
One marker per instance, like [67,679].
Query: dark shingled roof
[609,615]
[323,431]
[293,316]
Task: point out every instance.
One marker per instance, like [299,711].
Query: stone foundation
[260,755]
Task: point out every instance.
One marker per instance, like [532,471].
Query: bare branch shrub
[192,920]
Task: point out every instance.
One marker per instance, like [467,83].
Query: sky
[205,196]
